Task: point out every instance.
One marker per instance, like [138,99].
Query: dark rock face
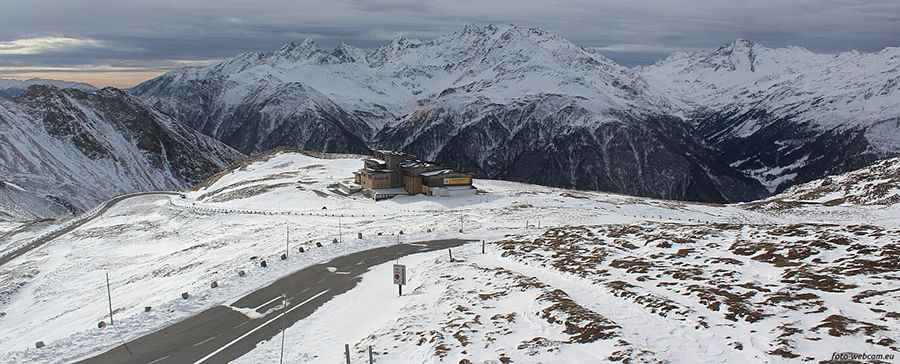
[653,156]
[167,144]
[787,146]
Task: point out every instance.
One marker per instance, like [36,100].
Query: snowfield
[568,276]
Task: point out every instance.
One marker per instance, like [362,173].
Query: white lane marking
[205,341]
[422,245]
[241,324]
[159,360]
[341,272]
[219,350]
[331,269]
[249,312]
[267,303]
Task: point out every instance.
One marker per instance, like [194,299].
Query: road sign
[399,274]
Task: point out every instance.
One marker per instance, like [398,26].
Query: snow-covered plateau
[567,276]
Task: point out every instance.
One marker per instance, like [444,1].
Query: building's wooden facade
[392,170]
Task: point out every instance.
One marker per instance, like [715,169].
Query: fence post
[371,357]
[347,352]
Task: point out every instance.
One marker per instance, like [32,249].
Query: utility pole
[281,359]
[109,295]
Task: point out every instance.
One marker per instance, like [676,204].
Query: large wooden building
[387,173]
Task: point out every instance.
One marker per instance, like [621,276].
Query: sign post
[400,277]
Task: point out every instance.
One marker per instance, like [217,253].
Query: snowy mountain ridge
[787,115]
[498,62]
[847,87]
[777,115]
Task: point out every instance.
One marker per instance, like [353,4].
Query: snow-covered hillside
[64,150]
[568,274]
[788,115]
[875,185]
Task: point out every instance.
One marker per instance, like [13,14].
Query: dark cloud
[152,34]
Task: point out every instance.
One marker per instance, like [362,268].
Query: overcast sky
[120,42]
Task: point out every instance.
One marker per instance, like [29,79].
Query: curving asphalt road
[222,334]
[105,206]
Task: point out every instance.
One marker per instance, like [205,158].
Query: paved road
[105,206]
[221,334]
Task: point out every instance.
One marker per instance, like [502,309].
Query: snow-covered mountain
[12,88]
[788,115]
[64,150]
[734,123]
[503,101]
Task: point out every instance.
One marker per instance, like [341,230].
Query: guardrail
[77,221]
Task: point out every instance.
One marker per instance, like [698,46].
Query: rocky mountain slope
[502,101]
[787,115]
[64,150]
[874,185]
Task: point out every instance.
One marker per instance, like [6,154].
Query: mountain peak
[293,47]
[741,43]
[739,55]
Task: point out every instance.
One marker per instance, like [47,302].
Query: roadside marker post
[400,277]
[109,295]
[281,358]
[347,352]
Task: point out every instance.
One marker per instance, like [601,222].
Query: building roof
[391,152]
[436,173]
[414,163]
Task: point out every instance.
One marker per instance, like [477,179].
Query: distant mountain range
[787,115]
[13,88]
[736,123]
